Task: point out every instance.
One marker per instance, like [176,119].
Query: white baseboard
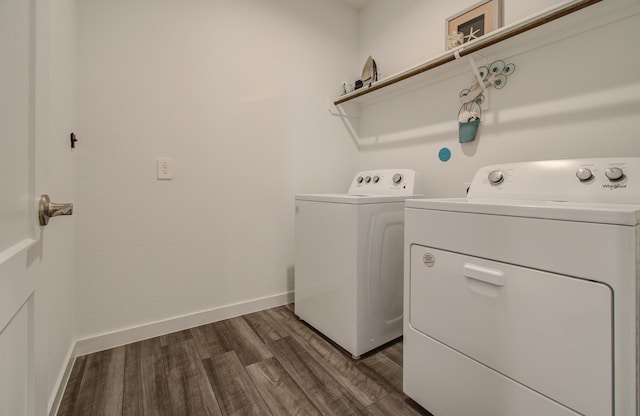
[154,329]
[61,382]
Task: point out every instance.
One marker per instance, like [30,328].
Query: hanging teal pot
[468,131]
[469,121]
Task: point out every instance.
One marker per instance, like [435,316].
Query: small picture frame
[473,22]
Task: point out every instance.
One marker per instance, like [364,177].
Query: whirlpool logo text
[614,185]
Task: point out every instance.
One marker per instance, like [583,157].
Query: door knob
[48,209]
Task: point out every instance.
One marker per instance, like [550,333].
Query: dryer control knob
[496,177]
[360,179]
[614,174]
[376,179]
[367,179]
[584,174]
[397,178]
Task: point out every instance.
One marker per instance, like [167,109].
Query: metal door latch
[48,209]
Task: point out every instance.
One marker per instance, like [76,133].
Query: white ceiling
[356,4]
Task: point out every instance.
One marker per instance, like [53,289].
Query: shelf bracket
[336,111]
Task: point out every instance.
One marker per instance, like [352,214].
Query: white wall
[575,97]
[56,303]
[234,92]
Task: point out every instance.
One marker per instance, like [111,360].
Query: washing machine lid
[374,187]
[352,199]
[616,214]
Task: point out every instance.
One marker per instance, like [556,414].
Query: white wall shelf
[474,46]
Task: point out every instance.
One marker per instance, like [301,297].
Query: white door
[23,126]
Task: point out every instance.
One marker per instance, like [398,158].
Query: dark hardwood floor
[264,363]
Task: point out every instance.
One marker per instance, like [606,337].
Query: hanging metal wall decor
[493,76]
[472,98]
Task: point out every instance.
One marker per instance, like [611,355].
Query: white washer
[522,299]
[348,259]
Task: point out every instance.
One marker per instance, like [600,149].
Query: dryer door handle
[485,274]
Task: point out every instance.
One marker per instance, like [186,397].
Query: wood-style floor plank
[146,392]
[382,368]
[209,339]
[396,405]
[280,392]
[324,391]
[175,337]
[393,352]
[236,394]
[72,390]
[264,326]
[244,341]
[344,369]
[102,384]
[233,334]
[189,389]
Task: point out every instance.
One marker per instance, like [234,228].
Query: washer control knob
[397,178]
[614,174]
[496,177]
[376,179]
[367,179]
[584,174]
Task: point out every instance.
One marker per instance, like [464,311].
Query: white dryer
[522,299]
[348,259]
